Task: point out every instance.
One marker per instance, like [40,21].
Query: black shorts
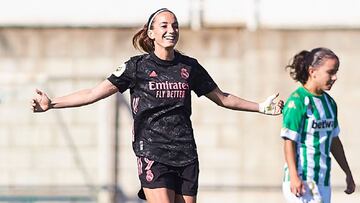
[183,180]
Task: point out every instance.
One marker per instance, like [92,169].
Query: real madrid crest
[184,73]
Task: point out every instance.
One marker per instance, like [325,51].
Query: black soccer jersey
[161,104]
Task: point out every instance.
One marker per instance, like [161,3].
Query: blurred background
[85,154]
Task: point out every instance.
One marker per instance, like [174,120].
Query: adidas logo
[153,74]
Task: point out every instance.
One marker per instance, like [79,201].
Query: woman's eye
[332,72]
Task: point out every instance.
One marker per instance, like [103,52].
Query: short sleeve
[202,83]
[292,119]
[124,76]
[336,131]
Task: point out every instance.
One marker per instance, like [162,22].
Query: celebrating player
[160,84]
[310,129]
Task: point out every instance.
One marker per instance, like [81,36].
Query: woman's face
[164,31]
[324,76]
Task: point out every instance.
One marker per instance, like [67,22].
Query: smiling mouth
[330,84]
[170,38]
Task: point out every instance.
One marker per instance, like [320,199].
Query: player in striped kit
[310,129]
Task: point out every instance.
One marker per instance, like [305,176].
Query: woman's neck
[167,55]
[313,89]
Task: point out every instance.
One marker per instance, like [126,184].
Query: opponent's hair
[141,40]
[300,63]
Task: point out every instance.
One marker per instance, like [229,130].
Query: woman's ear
[312,72]
[150,34]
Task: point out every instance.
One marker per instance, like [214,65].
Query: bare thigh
[185,199]
[159,195]
[164,195]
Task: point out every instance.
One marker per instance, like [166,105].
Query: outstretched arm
[42,102]
[337,151]
[233,102]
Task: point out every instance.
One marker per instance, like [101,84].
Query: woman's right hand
[41,102]
[297,186]
[270,107]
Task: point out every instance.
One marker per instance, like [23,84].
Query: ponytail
[142,41]
[299,67]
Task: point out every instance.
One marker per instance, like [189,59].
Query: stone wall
[240,153]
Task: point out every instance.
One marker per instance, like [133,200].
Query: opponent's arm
[337,151]
[235,103]
[42,102]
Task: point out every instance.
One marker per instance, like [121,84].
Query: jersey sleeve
[336,131]
[202,83]
[292,119]
[124,76]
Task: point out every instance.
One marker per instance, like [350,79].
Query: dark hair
[301,62]
[141,40]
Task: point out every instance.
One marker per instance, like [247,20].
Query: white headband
[151,19]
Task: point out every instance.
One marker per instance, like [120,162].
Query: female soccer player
[310,129]
[160,84]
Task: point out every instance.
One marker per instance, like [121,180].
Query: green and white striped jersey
[311,122]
